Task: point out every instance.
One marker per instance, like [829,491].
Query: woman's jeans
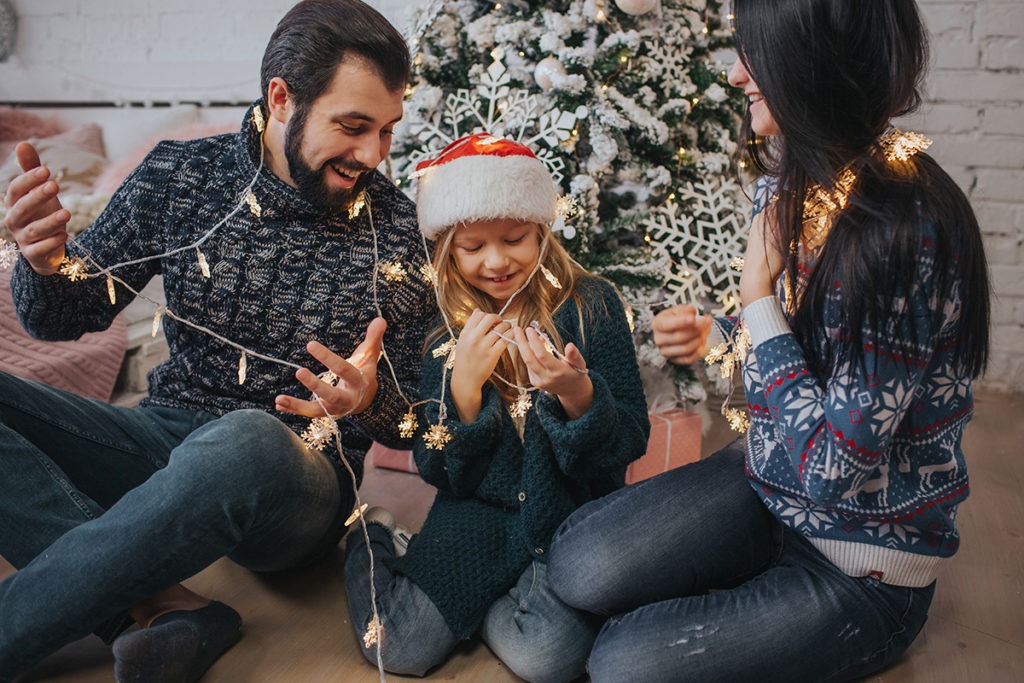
[701,583]
[102,507]
[529,629]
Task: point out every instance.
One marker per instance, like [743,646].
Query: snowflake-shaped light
[329,377]
[8,254]
[444,349]
[521,406]
[407,426]
[730,354]
[356,514]
[716,353]
[437,436]
[357,206]
[73,269]
[447,351]
[393,271]
[320,432]
[900,146]
[738,419]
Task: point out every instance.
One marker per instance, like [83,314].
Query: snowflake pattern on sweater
[867,463]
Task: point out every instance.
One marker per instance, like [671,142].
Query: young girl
[809,552]
[538,409]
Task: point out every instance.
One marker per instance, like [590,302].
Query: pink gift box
[389,458]
[674,441]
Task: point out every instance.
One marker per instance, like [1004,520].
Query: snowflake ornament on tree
[702,240]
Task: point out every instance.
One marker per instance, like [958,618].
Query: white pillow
[75,158]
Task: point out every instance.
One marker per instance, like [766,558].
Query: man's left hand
[357,378]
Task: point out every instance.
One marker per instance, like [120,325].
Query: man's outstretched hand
[357,378]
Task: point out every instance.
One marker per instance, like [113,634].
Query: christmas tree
[627,102]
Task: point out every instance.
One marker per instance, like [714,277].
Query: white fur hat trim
[484,187]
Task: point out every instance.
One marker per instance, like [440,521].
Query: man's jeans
[701,583]
[535,634]
[102,507]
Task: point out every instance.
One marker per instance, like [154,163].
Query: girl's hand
[763,262]
[479,347]
[562,377]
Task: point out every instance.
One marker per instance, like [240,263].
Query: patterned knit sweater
[277,281]
[867,464]
[500,498]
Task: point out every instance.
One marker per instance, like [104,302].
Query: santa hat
[483,177]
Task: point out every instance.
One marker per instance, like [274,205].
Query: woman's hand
[680,334]
[764,260]
[479,347]
[565,378]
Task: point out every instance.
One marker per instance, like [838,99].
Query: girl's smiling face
[496,256]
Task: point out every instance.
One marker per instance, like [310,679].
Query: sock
[178,647]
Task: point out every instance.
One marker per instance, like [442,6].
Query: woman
[809,550]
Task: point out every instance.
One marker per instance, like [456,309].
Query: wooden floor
[296,627]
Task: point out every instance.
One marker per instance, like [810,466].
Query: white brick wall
[209,50]
[975,114]
[146,50]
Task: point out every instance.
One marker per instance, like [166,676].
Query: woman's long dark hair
[833,74]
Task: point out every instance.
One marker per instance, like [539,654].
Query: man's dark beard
[310,183]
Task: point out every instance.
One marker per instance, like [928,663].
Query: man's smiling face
[331,144]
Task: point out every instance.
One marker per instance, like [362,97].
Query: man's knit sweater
[500,498]
[291,275]
[866,463]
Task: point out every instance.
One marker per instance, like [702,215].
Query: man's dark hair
[315,36]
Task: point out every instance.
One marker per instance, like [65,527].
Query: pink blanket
[87,366]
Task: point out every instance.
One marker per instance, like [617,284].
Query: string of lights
[819,210]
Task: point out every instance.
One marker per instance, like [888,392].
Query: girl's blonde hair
[539,301]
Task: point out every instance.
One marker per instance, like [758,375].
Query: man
[268,242]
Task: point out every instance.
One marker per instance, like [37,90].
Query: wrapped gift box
[389,458]
[674,441]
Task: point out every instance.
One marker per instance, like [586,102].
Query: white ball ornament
[545,70]
[636,6]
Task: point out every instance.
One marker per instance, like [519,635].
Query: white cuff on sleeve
[715,337]
[765,320]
